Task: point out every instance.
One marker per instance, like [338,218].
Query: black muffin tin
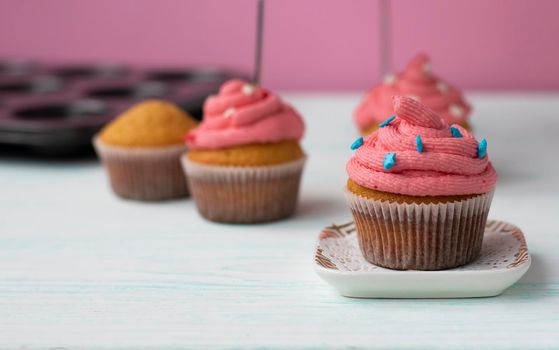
[56,109]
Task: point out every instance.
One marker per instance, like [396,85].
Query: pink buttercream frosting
[418,82]
[446,166]
[242,113]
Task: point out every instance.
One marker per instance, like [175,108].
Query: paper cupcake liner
[420,236]
[148,174]
[244,194]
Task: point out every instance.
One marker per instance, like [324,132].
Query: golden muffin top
[151,123]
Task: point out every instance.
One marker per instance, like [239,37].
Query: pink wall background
[309,44]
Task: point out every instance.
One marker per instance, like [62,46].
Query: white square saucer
[503,260]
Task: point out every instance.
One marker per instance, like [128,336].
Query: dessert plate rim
[505,276]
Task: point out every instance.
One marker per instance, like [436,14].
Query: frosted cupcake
[419,191]
[245,161]
[418,82]
[141,151]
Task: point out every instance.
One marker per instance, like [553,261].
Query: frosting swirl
[417,82]
[241,114]
[442,161]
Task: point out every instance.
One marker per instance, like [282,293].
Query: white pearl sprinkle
[248,89]
[390,79]
[229,112]
[442,87]
[415,97]
[426,67]
[456,110]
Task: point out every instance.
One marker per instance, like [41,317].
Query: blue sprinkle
[419,144]
[482,149]
[455,132]
[389,160]
[357,143]
[387,121]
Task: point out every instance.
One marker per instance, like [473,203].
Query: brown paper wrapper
[148,174]
[244,194]
[420,236]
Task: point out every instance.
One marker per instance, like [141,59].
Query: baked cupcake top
[242,114]
[418,82]
[151,123]
[416,153]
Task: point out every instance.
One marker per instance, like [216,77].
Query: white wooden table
[80,268]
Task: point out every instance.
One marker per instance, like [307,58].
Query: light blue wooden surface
[80,268]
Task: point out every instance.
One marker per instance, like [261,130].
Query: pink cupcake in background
[418,82]
[246,161]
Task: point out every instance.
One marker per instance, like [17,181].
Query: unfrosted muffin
[245,162]
[420,191]
[141,151]
[418,82]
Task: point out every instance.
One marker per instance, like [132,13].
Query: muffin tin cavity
[55,126]
[30,86]
[181,75]
[88,71]
[61,111]
[139,91]
[170,75]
